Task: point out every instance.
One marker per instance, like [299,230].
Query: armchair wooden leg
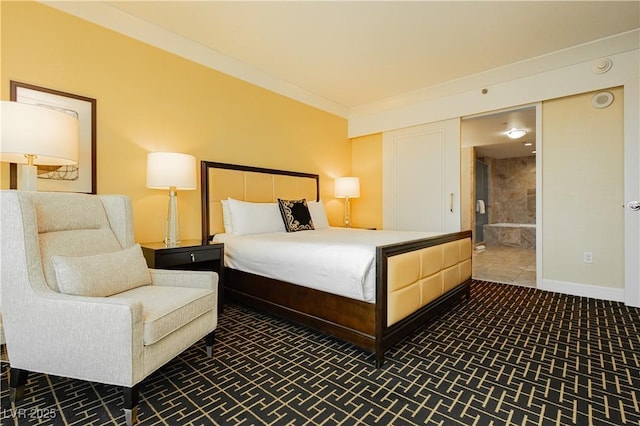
[209,340]
[131,397]
[17,380]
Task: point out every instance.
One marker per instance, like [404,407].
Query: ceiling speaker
[602,100]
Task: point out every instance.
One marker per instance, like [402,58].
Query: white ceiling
[357,52]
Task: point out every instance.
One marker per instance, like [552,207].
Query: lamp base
[172,229]
[28,177]
[347,213]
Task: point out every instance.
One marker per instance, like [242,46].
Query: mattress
[335,260]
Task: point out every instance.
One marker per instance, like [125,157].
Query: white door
[421,178]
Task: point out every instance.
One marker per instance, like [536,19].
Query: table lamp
[33,134]
[347,187]
[172,171]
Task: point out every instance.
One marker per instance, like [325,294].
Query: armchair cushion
[167,309]
[102,275]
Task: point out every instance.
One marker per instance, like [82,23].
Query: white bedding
[336,260]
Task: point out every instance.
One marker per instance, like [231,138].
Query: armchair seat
[167,309]
[79,301]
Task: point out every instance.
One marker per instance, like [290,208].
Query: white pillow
[102,275]
[226,217]
[318,214]
[255,218]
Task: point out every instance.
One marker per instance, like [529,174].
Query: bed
[413,278]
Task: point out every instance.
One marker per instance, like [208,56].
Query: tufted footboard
[415,281]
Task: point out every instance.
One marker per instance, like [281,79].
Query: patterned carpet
[509,356]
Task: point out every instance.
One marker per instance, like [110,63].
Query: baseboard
[583,290]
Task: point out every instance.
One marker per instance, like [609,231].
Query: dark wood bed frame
[360,323]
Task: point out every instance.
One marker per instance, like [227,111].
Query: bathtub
[510,234]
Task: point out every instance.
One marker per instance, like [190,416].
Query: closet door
[421,178]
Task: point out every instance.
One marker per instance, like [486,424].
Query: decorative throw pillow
[295,214]
[103,274]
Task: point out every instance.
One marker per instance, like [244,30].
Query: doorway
[503,195]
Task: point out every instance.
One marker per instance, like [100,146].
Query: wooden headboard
[220,181]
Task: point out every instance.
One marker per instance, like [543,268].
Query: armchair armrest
[178,278]
[70,335]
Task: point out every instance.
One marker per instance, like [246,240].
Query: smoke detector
[602,65]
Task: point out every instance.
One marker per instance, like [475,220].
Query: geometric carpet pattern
[507,356]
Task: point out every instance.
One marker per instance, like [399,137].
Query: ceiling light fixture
[527,143]
[516,133]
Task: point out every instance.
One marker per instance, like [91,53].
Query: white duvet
[336,260]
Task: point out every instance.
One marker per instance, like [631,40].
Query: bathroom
[501,171]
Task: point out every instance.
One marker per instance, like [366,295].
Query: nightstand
[190,255]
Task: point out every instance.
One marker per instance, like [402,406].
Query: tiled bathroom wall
[512,185]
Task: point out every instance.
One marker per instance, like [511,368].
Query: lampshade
[47,136]
[171,169]
[347,187]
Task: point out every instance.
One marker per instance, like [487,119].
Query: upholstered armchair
[79,301]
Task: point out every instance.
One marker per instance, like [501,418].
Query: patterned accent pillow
[295,214]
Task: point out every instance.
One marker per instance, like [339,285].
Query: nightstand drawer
[186,257]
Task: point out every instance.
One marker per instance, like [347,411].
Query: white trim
[539,177]
[107,16]
[553,83]
[584,290]
[632,190]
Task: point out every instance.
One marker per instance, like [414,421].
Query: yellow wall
[367,165]
[150,100]
[582,190]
